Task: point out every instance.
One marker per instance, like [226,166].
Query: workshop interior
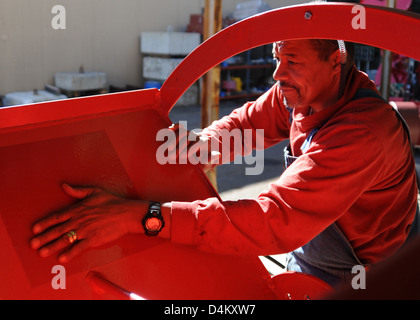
[84,90]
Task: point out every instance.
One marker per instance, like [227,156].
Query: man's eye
[292,62]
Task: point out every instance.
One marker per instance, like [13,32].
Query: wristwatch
[153,220]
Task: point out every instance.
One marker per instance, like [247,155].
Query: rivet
[308,15]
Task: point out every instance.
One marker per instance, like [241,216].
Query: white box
[29,97]
[79,81]
[159,68]
[246,9]
[169,43]
[190,97]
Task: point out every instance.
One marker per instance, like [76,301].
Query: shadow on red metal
[300,286]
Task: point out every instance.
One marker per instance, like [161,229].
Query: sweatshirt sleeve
[313,192]
[256,125]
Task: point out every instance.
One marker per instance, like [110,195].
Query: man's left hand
[98,218]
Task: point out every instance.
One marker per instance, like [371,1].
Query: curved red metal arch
[389,29]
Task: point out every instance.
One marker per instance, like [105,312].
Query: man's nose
[280,73]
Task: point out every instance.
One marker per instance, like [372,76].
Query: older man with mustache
[347,197]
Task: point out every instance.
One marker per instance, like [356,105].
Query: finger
[182,148]
[77,249]
[50,235]
[200,149]
[196,148]
[55,246]
[52,220]
[215,157]
[62,216]
[174,126]
[65,240]
[181,139]
[78,192]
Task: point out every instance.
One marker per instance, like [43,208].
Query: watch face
[153,224]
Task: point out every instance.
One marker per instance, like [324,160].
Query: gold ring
[70,237]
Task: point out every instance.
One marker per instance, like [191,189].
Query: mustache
[286,85]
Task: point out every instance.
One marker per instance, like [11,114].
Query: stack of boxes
[162,53]
[246,9]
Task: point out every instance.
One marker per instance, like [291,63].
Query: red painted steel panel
[108,141]
[300,286]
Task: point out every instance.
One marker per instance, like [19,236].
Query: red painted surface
[87,141]
[300,286]
[110,141]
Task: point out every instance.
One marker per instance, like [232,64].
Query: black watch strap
[153,220]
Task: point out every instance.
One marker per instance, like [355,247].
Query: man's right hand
[193,147]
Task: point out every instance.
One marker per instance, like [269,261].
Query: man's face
[304,79]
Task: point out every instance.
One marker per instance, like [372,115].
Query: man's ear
[335,61]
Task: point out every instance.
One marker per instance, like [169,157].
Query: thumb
[215,157]
[77,192]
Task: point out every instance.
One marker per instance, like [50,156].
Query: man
[347,197]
